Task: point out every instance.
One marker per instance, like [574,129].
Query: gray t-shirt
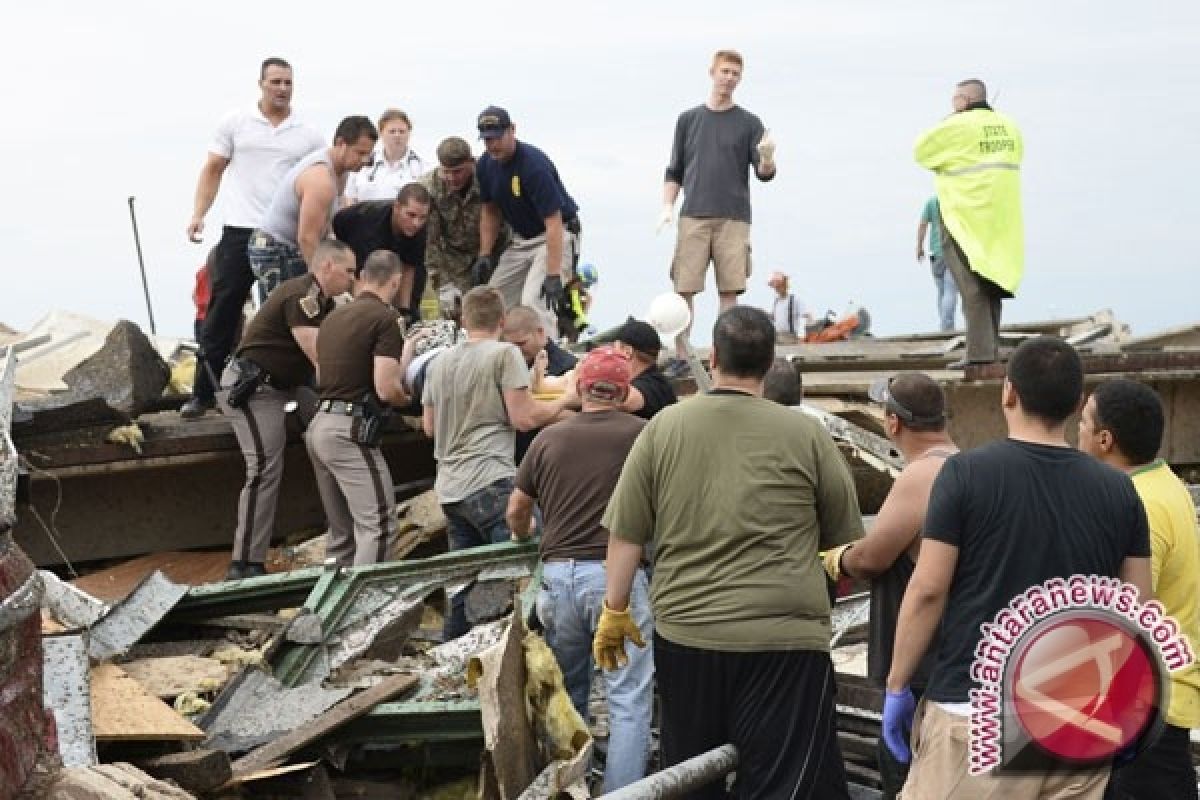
[473,438]
[711,159]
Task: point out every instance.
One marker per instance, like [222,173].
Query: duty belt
[343,407]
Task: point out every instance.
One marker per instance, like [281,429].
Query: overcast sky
[108,100]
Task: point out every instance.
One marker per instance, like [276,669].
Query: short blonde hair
[732,56]
[393,114]
[482,309]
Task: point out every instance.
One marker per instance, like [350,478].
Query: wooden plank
[171,676]
[270,755]
[114,584]
[123,711]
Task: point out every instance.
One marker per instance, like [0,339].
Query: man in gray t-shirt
[715,146]
[476,397]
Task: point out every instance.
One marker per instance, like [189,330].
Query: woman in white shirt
[394,163]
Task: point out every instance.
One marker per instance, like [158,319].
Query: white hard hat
[669,315]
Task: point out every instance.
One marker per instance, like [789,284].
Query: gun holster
[250,377]
[369,430]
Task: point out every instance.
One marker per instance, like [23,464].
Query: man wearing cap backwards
[715,146]
[737,494]
[649,391]
[476,397]
[519,185]
[1003,518]
[914,408]
[1122,425]
[454,216]
[573,493]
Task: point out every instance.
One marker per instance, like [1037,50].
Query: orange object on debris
[851,325]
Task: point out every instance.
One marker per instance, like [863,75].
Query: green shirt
[930,215]
[737,494]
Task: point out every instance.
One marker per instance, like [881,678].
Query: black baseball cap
[912,396]
[493,122]
[641,336]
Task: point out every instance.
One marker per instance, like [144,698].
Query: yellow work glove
[833,561]
[608,646]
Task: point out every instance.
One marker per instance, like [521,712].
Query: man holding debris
[737,494]
[476,397]
[1122,425]
[1004,518]
[572,493]
[914,409]
[975,154]
[273,364]
[361,357]
[254,149]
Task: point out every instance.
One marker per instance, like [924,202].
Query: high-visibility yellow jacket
[976,156]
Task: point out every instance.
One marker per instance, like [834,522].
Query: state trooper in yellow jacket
[359,355]
[975,154]
[273,362]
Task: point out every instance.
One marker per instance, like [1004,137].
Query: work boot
[236,571]
[253,569]
[196,408]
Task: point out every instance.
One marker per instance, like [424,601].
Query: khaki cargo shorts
[724,242]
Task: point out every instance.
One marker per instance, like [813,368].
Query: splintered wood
[123,711]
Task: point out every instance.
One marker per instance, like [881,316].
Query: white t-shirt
[384,179]
[788,314]
[259,154]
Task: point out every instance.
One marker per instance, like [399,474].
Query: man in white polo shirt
[254,148]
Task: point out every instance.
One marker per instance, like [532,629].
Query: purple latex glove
[898,710]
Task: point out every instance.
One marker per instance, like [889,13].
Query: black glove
[552,291]
[481,270]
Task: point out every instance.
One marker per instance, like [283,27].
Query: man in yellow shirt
[1122,425]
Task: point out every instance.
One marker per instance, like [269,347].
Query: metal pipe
[137,241]
[682,778]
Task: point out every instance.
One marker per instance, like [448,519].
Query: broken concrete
[127,372]
[489,600]
[118,781]
[200,770]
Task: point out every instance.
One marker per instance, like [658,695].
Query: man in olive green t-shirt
[738,494]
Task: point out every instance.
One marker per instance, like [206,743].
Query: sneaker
[677,368]
[196,408]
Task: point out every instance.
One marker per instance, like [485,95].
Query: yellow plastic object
[547,395]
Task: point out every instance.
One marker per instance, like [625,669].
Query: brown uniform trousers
[356,490]
[261,431]
[981,302]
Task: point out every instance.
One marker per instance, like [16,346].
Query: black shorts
[1164,770]
[777,708]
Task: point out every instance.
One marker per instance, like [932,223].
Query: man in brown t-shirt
[359,361]
[274,360]
[573,493]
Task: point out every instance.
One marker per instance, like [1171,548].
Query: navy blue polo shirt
[527,189]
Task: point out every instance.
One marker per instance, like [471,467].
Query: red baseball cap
[604,373]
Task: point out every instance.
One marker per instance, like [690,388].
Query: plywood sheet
[123,711]
[114,584]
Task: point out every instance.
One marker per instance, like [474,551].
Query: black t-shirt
[367,227]
[1021,514]
[526,188]
[656,391]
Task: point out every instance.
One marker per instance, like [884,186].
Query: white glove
[766,149]
[666,217]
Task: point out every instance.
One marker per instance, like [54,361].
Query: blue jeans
[569,606]
[476,520]
[273,262]
[947,292]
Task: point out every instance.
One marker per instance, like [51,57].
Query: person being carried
[572,493]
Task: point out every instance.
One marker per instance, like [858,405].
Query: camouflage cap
[453,151]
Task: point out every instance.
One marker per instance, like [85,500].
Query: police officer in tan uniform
[359,358]
[274,360]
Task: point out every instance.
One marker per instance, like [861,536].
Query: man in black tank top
[914,409]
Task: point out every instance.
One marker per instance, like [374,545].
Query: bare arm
[306,337]
[316,194]
[1138,572]
[634,401]
[519,514]
[554,243]
[428,419]
[404,298]
[527,414]
[388,381]
[921,610]
[670,193]
[897,526]
[922,227]
[489,228]
[619,567]
[206,192]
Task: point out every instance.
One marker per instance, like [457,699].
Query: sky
[106,101]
